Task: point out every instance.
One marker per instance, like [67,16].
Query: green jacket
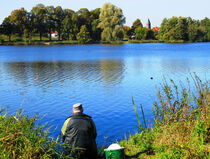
[79,131]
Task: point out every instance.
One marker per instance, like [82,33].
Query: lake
[101,77]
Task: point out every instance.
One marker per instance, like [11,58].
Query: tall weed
[21,139]
[181,127]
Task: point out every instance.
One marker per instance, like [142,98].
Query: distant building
[54,34]
[156,28]
[148,25]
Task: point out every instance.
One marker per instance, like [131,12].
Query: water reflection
[109,72]
[104,78]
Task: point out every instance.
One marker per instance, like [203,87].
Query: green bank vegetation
[181,126]
[101,25]
[21,139]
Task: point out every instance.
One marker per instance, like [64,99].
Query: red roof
[155,28]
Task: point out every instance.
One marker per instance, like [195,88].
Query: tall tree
[205,24]
[29,26]
[174,29]
[50,22]
[39,20]
[111,22]
[144,33]
[59,17]
[83,17]
[18,17]
[137,23]
[83,36]
[7,27]
[180,31]
[127,31]
[75,27]
[95,32]
[67,24]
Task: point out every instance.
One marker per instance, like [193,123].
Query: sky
[155,10]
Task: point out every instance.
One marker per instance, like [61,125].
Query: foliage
[7,27]
[104,24]
[186,29]
[39,17]
[83,36]
[205,24]
[20,138]
[18,17]
[137,23]
[126,31]
[181,125]
[111,21]
[67,24]
[143,33]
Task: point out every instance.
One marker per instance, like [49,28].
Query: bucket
[114,151]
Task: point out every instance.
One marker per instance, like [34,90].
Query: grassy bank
[181,126]
[17,41]
[21,139]
[54,42]
[72,42]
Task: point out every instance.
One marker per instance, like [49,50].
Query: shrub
[20,138]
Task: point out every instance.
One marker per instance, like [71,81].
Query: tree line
[106,24]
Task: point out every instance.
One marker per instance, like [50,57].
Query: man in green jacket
[78,134]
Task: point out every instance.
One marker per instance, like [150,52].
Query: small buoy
[151,78]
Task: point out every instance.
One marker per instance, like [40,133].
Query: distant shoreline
[51,43]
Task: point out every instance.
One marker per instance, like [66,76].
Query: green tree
[126,31]
[83,36]
[7,27]
[144,34]
[95,13]
[58,18]
[95,32]
[137,23]
[180,31]
[111,22]
[67,24]
[174,29]
[18,17]
[75,27]
[50,22]
[83,17]
[195,31]
[29,26]
[163,29]
[39,19]
[205,24]
[117,33]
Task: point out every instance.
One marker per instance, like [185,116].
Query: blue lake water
[102,77]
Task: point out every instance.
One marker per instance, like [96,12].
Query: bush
[20,138]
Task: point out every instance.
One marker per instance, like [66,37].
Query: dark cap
[77,107]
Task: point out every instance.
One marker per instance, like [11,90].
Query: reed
[181,126]
[21,139]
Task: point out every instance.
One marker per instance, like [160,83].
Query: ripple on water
[103,78]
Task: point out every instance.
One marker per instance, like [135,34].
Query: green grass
[181,127]
[143,41]
[21,139]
